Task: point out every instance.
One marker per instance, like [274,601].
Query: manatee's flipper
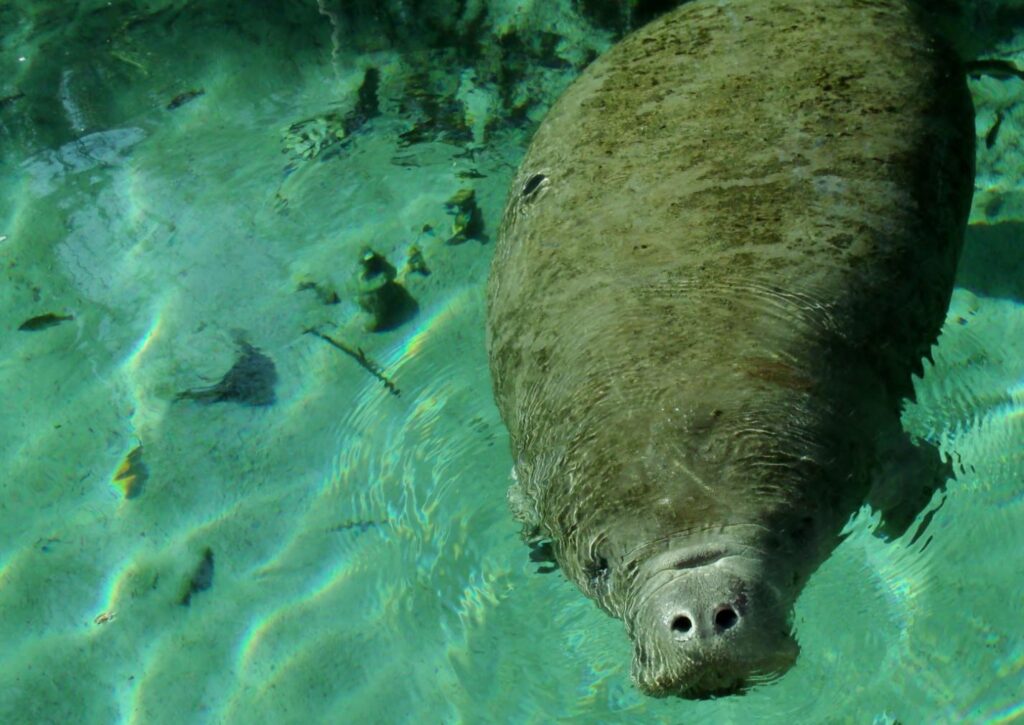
[542,552]
[905,478]
[524,509]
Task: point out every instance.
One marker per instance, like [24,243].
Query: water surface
[183,180]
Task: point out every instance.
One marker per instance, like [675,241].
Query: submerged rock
[325,294]
[325,135]
[201,580]
[132,474]
[250,381]
[469,221]
[386,301]
[415,263]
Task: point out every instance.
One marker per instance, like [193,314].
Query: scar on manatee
[250,381]
[778,373]
[201,579]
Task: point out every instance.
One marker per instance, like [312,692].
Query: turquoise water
[183,179]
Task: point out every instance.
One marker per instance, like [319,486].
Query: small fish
[182,98]
[41,322]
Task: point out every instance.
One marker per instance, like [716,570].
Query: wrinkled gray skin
[728,249]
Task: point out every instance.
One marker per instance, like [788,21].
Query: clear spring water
[365,568]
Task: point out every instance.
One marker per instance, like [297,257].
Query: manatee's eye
[532,184]
[803,529]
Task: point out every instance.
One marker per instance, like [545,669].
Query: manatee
[727,251]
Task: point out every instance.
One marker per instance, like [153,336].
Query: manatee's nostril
[726,618]
[533,183]
[682,624]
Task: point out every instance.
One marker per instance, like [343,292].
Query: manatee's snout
[709,630]
[699,626]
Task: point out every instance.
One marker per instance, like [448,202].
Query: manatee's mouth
[712,684]
[701,692]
